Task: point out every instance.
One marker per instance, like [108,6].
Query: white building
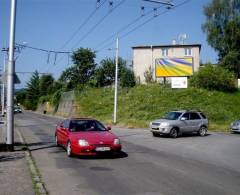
[166,60]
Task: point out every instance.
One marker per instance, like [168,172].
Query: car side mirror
[183,119]
[109,128]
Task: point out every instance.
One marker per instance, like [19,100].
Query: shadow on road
[4,148]
[39,144]
[10,157]
[104,156]
[186,135]
[43,147]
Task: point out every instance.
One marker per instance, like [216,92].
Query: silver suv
[176,123]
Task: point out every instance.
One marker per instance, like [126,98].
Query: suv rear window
[202,115]
[194,116]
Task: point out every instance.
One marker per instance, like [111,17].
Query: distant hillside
[142,104]
[19,90]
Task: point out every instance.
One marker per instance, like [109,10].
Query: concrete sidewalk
[14,172]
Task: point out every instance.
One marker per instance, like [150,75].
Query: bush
[56,99]
[232,62]
[214,78]
[127,78]
[44,99]
[148,75]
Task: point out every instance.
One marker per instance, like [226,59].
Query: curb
[38,184]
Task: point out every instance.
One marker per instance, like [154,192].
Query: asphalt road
[148,165]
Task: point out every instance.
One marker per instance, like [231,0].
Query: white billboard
[179,82]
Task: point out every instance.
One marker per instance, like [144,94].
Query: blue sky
[48,24]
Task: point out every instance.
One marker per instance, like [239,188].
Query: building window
[164,52]
[188,52]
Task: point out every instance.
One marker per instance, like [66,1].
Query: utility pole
[116,85]
[10,79]
[3,85]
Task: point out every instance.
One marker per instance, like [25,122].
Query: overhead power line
[41,73]
[126,26]
[40,49]
[98,23]
[99,4]
[49,52]
[142,24]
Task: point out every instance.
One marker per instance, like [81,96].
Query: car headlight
[164,124]
[116,141]
[83,142]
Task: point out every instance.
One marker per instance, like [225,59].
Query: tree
[232,62]
[223,32]
[21,96]
[127,78]
[46,84]
[83,69]
[223,25]
[105,73]
[214,78]
[32,92]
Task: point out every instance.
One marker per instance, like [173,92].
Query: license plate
[102,149]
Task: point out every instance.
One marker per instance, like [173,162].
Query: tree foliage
[214,78]
[127,78]
[32,92]
[105,73]
[232,62]
[222,25]
[83,69]
[223,31]
[46,84]
[21,96]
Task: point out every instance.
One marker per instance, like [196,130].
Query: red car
[82,136]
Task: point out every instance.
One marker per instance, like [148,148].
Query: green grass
[142,104]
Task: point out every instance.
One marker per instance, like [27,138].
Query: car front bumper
[235,130]
[94,150]
[160,130]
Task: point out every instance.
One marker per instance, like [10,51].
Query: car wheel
[69,149]
[173,133]
[56,140]
[202,131]
[155,134]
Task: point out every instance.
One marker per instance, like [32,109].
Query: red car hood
[95,137]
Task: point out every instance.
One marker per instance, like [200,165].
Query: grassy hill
[142,104]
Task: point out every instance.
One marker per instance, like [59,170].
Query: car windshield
[172,115]
[86,125]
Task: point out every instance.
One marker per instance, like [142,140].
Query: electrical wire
[40,49]
[142,24]
[98,23]
[94,27]
[82,25]
[125,27]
